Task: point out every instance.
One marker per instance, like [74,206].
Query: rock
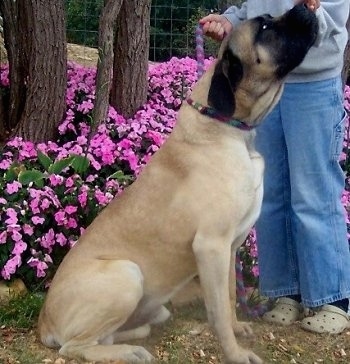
[13,288]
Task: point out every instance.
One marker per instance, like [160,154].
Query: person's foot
[329,319]
[285,312]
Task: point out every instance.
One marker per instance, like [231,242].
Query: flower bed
[52,191]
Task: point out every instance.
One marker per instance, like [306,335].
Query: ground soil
[186,339]
[83,55]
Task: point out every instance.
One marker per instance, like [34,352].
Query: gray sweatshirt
[325,59]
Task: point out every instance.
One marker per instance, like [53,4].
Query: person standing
[304,257]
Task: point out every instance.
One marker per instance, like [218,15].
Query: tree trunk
[34,33]
[131,49]
[105,60]
[9,11]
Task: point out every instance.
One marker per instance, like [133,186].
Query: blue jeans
[301,232]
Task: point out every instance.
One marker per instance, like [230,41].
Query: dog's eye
[264,26]
[258,60]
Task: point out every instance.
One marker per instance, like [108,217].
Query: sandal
[329,319]
[285,312]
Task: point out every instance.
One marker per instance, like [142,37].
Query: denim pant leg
[278,273]
[312,122]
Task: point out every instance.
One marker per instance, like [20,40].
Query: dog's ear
[227,74]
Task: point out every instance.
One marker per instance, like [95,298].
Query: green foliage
[21,311]
[82,19]
[172,24]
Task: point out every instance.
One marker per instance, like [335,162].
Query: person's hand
[313,5]
[215,26]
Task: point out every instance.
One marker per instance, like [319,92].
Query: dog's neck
[198,100]
[215,114]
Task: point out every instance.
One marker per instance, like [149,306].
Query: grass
[21,312]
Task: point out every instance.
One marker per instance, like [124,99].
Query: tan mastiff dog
[194,202]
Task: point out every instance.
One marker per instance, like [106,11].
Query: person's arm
[217,26]
[332,16]
[236,15]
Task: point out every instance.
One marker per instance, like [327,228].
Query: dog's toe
[139,355]
[244,357]
[242,328]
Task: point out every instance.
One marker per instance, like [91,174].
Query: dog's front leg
[213,256]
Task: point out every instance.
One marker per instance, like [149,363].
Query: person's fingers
[215,31]
[313,5]
[215,26]
[210,18]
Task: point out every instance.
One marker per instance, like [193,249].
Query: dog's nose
[302,20]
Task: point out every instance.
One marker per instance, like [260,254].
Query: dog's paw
[137,355]
[244,356]
[242,328]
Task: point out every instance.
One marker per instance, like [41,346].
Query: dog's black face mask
[260,49]
[227,74]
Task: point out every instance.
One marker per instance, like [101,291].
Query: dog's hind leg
[96,352]
[109,293]
[132,334]
[155,317]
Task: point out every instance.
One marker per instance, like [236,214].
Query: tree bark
[34,32]
[130,69]
[108,18]
[9,11]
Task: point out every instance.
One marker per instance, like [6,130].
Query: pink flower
[39,265]
[101,198]
[85,106]
[13,187]
[12,216]
[5,164]
[48,239]
[157,137]
[60,217]
[27,229]
[69,182]
[19,248]
[16,236]
[255,271]
[82,140]
[61,239]
[10,266]
[82,198]
[45,204]
[37,220]
[3,237]
[90,178]
[70,209]
[55,180]
[34,205]
[72,223]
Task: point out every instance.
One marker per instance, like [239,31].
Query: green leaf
[80,163]
[59,166]
[10,175]
[45,160]
[33,175]
[120,176]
